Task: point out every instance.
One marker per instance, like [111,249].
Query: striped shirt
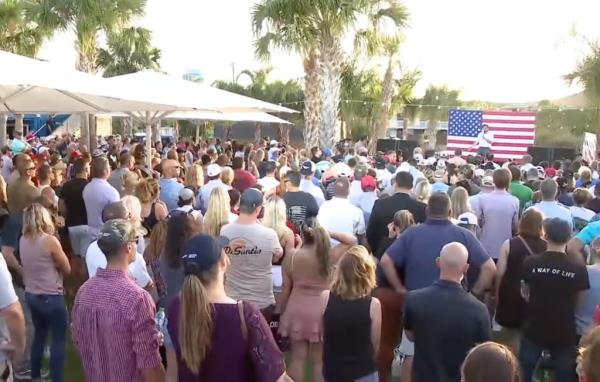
[114,329]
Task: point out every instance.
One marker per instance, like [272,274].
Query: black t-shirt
[72,194]
[554,281]
[446,322]
[300,206]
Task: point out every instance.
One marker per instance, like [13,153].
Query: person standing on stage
[484,141]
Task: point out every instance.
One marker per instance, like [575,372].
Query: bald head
[170,168]
[342,187]
[453,261]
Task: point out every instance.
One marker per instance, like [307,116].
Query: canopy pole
[3,123]
[148,141]
[197,132]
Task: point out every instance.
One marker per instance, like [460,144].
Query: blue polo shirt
[589,233]
[417,248]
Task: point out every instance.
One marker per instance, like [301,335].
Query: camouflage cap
[115,234]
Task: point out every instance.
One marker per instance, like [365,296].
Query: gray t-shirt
[249,276]
[116,179]
[7,298]
[584,314]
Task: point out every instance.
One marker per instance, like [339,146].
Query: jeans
[562,360]
[483,151]
[24,362]
[49,313]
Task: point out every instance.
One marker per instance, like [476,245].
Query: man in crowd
[518,189]
[444,320]
[249,277]
[123,343]
[72,207]
[213,172]
[126,164]
[367,199]
[307,184]
[384,209]
[169,184]
[96,259]
[339,215]
[552,285]
[97,194]
[300,205]
[242,179]
[457,159]
[532,178]
[268,182]
[549,207]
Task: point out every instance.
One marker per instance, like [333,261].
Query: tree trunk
[86,46]
[93,139]
[312,100]
[19,123]
[257,132]
[128,127]
[330,73]
[3,123]
[404,127]
[383,120]
[227,131]
[284,132]
[84,139]
[431,133]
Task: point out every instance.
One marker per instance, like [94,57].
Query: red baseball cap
[75,155]
[368,183]
[550,172]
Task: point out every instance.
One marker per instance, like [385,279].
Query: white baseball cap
[213,170]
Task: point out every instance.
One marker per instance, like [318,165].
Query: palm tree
[129,50]
[361,90]
[587,74]
[435,105]
[285,25]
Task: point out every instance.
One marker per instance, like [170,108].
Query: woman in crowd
[581,215]
[44,264]
[460,202]
[153,210]
[588,365]
[584,314]
[391,302]
[490,362]
[131,180]
[422,190]
[194,180]
[215,337]
[217,213]
[152,254]
[305,277]
[134,207]
[352,357]
[251,164]
[180,228]
[510,305]
[275,217]
[227,176]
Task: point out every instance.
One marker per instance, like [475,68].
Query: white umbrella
[158,87]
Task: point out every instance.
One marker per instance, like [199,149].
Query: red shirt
[243,180]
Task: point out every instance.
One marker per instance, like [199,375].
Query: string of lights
[439,107]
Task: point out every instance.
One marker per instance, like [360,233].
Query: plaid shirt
[114,329]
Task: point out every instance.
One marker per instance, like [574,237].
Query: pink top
[39,271]
[114,329]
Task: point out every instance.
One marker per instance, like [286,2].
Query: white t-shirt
[7,298]
[94,259]
[339,215]
[582,213]
[482,142]
[268,183]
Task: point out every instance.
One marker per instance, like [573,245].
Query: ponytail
[323,247]
[195,323]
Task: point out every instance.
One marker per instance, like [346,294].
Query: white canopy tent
[156,86]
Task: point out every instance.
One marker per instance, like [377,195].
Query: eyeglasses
[30,168]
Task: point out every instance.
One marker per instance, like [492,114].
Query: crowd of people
[224,261]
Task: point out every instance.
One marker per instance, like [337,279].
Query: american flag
[513,132]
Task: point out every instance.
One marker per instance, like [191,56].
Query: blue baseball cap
[326,152]
[202,252]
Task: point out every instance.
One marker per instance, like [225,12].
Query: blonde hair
[131,180]
[422,190]
[37,220]
[459,200]
[133,206]
[194,177]
[275,216]
[227,175]
[588,361]
[196,318]
[156,243]
[147,190]
[403,219]
[354,276]
[217,214]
